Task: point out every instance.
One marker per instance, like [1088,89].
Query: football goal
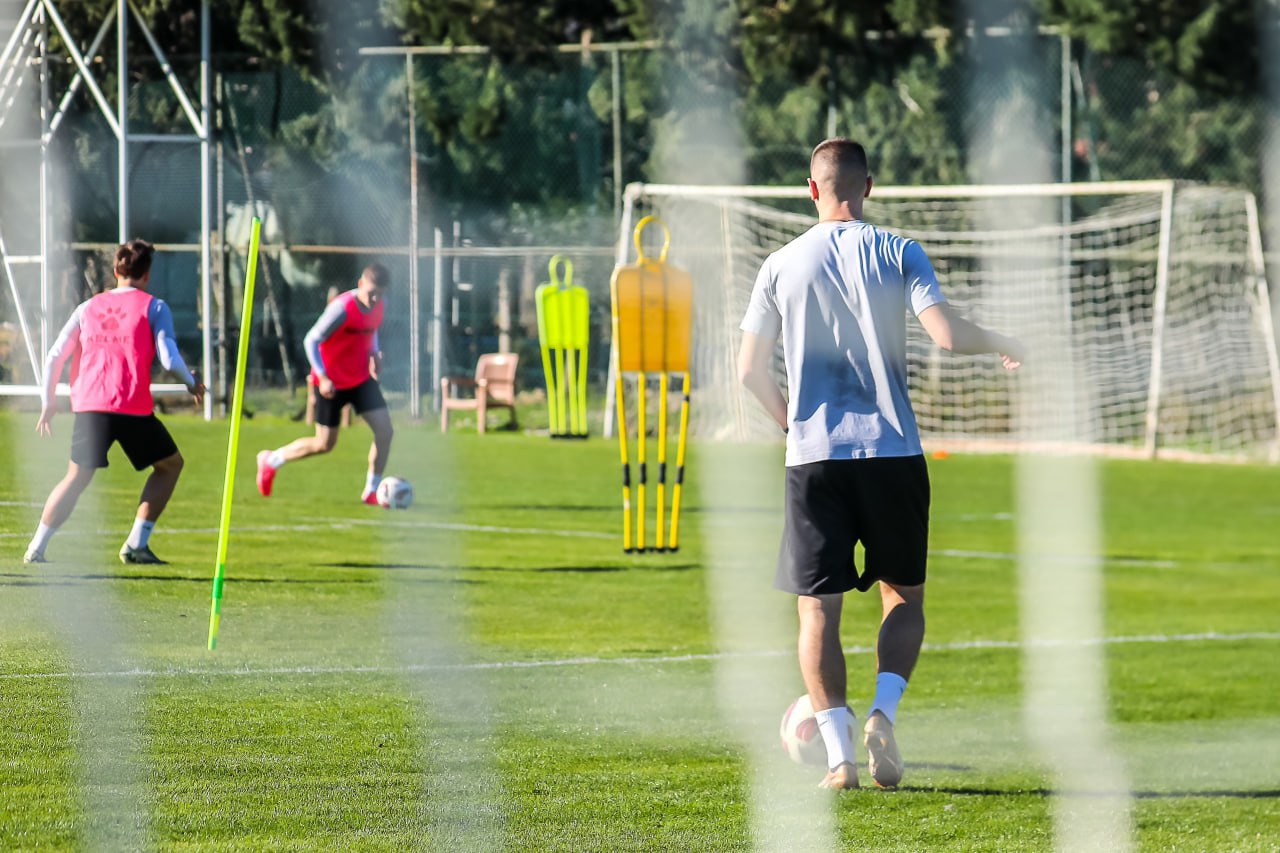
[1159,289]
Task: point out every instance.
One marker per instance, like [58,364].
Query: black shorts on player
[833,505]
[365,397]
[142,437]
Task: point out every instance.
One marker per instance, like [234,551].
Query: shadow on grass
[45,579]
[365,564]
[685,509]
[1265,794]
[549,507]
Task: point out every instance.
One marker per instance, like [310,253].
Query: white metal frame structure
[639,198]
[28,46]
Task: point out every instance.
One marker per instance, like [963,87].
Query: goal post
[1166,306]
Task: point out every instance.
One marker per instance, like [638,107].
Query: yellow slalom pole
[552,395]
[233,442]
[663,388]
[641,440]
[620,389]
[684,433]
[563,361]
[581,426]
[571,380]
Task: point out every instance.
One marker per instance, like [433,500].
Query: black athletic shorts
[142,437]
[833,505]
[365,397]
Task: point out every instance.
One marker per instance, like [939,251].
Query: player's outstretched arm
[956,334]
[64,347]
[196,388]
[166,342]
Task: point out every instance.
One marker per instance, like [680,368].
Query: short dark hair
[378,274]
[839,166]
[133,259]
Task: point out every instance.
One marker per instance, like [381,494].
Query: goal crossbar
[1158,283]
[637,190]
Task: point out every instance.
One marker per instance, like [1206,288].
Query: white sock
[276,458]
[140,534]
[371,482]
[835,725]
[889,689]
[43,534]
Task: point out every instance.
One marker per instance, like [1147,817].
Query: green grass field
[488,671]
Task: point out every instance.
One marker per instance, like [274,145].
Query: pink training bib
[112,371]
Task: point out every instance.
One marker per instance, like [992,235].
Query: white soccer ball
[800,736]
[395,493]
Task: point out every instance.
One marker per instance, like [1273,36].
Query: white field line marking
[486,528]
[533,531]
[1066,558]
[347,525]
[975,516]
[279,528]
[967,645]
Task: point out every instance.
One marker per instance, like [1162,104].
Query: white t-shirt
[838,295]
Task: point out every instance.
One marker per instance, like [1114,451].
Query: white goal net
[1166,311]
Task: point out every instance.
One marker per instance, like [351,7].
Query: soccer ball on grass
[395,493]
[800,736]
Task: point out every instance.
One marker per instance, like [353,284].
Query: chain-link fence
[517,162]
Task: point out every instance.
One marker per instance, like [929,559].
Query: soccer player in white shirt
[838,296]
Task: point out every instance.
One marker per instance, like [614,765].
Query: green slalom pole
[233,442]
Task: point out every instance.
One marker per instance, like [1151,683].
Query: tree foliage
[518,142]
[1211,45]
[1171,88]
[519,30]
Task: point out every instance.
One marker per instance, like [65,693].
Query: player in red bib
[112,340]
[343,350]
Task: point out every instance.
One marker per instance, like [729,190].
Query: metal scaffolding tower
[26,54]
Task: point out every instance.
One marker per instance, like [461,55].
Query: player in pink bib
[112,340]
[343,350]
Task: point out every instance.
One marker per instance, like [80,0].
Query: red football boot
[266,474]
